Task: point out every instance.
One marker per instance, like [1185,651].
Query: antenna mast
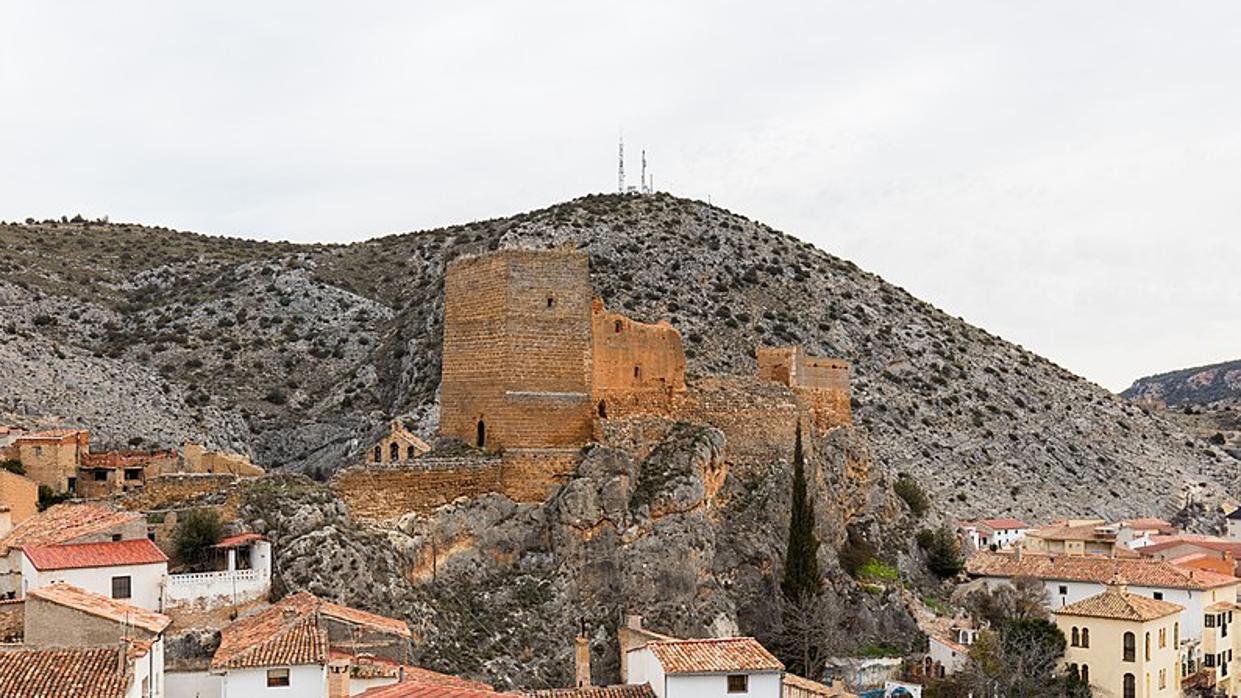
[620,167]
[645,189]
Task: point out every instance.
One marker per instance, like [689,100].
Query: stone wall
[168,491]
[385,492]
[53,461]
[49,624]
[637,367]
[516,350]
[399,444]
[822,384]
[20,495]
[197,459]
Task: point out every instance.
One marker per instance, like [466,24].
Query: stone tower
[517,350]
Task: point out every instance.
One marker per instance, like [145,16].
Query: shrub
[909,490]
[855,553]
[196,532]
[943,552]
[13,466]
[276,396]
[49,497]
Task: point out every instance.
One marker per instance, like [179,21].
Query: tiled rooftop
[707,656]
[63,523]
[289,633]
[239,540]
[1120,605]
[1000,524]
[419,689]
[372,667]
[98,605]
[1094,568]
[76,672]
[108,554]
[624,690]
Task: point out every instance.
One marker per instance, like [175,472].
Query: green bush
[909,490]
[197,530]
[49,497]
[855,553]
[943,552]
[13,466]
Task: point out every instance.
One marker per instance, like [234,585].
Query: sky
[1064,174]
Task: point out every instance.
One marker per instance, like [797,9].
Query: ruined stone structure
[197,459]
[636,367]
[399,445]
[822,384]
[517,350]
[113,472]
[52,457]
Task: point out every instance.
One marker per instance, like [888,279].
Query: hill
[1190,386]
[299,354]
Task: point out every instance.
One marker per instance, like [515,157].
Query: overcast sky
[1064,174]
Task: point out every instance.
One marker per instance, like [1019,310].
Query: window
[1063,590]
[120,587]
[738,683]
[1085,637]
[99,475]
[71,484]
[410,453]
[1209,621]
[1176,634]
[1163,678]
[551,302]
[1208,660]
[116,537]
[377,455]
[1073,672]
[603,410]
[1163,638]
[1130,648]
[277,678]
[394,452]
[1146,647]
[482,434]
[1158,596]
[133,474]
[1131,686]
[637,372]
[1075,638]
[1085,674]
[619,325]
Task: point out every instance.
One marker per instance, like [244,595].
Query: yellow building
[1215,663]
[52,457]
[1122,644]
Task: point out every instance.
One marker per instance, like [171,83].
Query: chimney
[122,658]
[1017,548]
[338,679]
[632,623]
[581,659]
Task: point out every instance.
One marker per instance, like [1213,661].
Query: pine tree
[801,562]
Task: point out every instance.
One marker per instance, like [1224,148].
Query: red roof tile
[624,690]
[108,554]
[85,601]
[713,655]
[289,633]
[55,672]
[1001,524]
[63,523]
[419,689]
[238,540]
[1144,572]
[370,667]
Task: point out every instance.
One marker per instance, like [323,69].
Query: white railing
[193,578]
[210,589]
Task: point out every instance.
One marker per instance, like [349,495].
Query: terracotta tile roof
[1149,523]
[80,555]
[63,523]
[99,605]
[1000,524]
[713,655]
[56,434]
[370,667]
[289,633]
[1163,543]
[419,689]
[56,672]
[238,540]
[1143,572]
[624,690]
[1120,605]
[1086,532]
[814,687]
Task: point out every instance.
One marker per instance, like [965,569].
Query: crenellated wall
[638,367]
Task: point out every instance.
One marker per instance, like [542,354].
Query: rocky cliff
[299,354]
[1205,401]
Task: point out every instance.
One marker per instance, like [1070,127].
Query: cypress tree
[801,562]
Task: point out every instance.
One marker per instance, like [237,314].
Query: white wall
[948,657]
[305,681]
[193,684]
[761,685]
[644,668]
[222,588]
[146,582]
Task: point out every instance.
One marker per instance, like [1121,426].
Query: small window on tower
[619,325]
[551,302]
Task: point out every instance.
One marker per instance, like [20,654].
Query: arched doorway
[481,439]
[603,410]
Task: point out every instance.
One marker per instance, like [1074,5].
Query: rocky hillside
[1190,386]
[300,353]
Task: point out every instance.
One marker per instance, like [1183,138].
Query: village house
[117,472]
[1096,536]
[134,571]
[1072,578]
[425,689]
[1123,645]
[305,646]
[1203,552]
[948,651]
[111,671]
[707,668]
[1234,524]
[51,457]
[985,533]
[59,524]
[62,615]
[242,573]
[19,500]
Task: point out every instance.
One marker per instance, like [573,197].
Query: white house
[949,652]
[730,667]
[1234,524]
[130,570]
[304,646]
[63,523]
[1072,578]
[1001,533]
[243,574]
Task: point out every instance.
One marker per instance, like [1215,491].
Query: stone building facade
[400,444]
[51,457]
[636,367]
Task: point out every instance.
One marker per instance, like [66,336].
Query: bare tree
[809,633]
